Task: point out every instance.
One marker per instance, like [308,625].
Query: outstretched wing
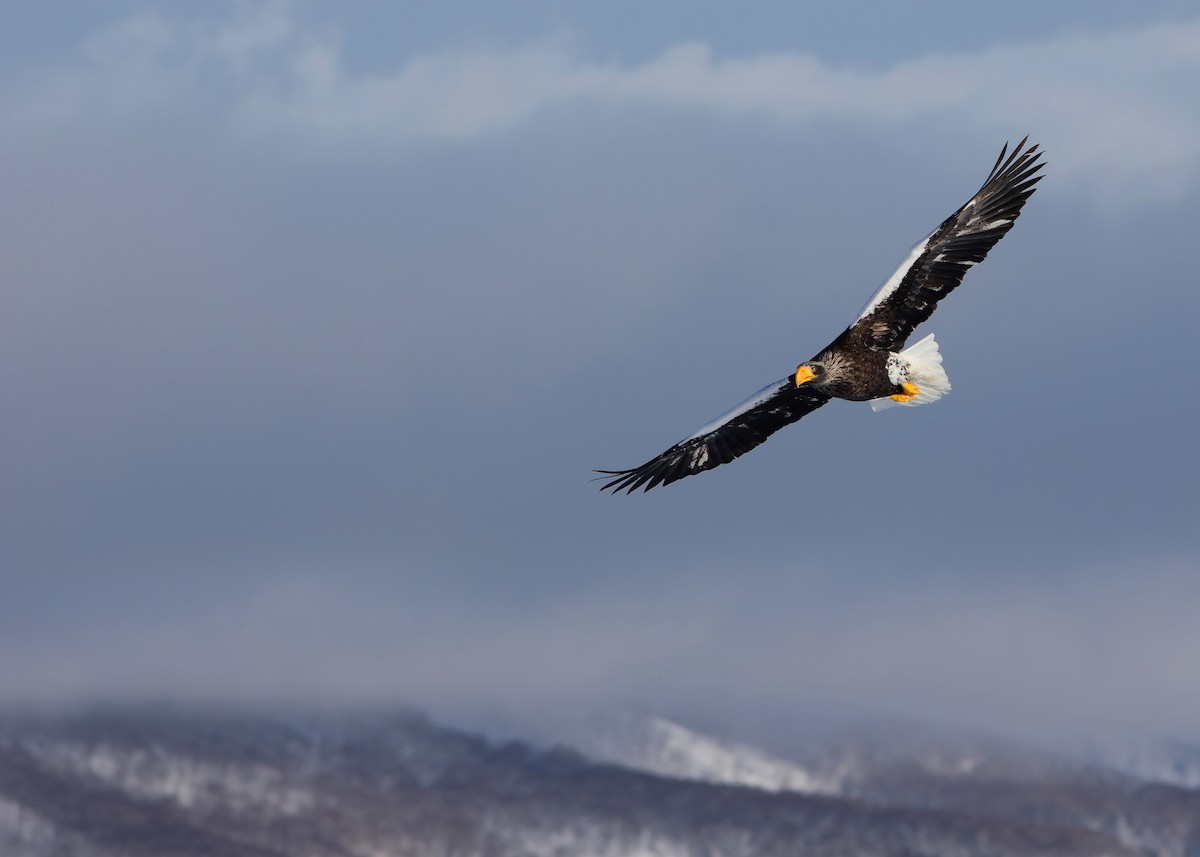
[734,433]
[936,265]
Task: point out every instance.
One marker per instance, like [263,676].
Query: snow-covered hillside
[152,782]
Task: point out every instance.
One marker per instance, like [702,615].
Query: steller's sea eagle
[868,362]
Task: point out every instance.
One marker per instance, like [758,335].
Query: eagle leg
[911,391]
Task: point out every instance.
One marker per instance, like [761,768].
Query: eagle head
[809,372]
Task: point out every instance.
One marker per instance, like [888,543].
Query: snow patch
[659,746]
[22,826]
[156,774]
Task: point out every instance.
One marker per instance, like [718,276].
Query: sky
[317,317]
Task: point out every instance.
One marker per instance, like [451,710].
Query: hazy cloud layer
[1105,653]
[306,360]
[1101,96]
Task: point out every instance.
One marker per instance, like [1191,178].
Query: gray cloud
[303,376]
[1119,101]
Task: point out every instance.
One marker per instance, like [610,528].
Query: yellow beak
[803,375]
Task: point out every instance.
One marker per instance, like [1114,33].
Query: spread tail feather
[925,370]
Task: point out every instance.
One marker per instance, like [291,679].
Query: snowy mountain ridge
[146,783]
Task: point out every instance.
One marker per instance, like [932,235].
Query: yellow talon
[911,391]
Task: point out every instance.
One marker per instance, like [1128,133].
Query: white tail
[925,370]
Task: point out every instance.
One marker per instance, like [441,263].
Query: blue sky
[317,317]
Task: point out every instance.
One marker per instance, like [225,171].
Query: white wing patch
[754,401]
[893,282]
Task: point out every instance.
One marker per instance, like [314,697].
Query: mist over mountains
[111,782]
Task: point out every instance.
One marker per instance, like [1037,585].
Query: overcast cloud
[309,346]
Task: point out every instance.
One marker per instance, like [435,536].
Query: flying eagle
[868,362]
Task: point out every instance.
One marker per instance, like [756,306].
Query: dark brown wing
[938,263]
[734,433]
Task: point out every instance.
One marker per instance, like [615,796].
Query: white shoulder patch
[893,282]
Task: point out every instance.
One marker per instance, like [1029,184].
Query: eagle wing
[937,264]
[734,433]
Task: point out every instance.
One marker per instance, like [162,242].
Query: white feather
[922,365]
[893,282]
[754,401]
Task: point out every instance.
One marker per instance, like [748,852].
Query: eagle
[868,362]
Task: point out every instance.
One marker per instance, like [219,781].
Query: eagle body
[859,375]
[870,361]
